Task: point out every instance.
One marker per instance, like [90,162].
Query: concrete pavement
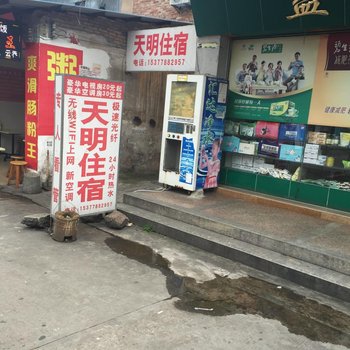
[85,295]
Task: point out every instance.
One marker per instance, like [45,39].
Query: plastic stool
[17,169]
[13,158]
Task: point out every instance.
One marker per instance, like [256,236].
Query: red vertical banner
[54,60]
[87,138]
[39,93]
[31,104]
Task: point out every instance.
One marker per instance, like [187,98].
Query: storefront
[288,120]
[12,87]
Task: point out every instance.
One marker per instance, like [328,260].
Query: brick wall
[162,9]
[144,96]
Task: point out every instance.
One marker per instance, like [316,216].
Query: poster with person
[273,78]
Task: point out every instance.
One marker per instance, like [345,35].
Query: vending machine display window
[183,99]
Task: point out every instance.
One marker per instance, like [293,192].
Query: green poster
[272,79]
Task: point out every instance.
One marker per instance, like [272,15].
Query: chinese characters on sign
[54,60]
[43,62]
[166,49]
[87,132]
[307,7]
[31,106]
[10,41]
[338,52]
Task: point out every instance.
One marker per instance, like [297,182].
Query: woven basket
[66,226]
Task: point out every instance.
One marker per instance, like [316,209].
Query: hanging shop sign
[272,79]
[306,8]
[10,41]
[86,147]
[165,49]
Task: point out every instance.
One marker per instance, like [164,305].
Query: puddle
[247,295]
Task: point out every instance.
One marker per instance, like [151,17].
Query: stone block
[116,220]
[42,220]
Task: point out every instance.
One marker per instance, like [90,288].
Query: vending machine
[193,130]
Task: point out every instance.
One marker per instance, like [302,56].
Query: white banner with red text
[86,144]
[165,49]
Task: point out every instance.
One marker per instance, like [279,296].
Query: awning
[254,18]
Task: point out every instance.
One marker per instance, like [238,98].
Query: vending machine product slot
[172,155]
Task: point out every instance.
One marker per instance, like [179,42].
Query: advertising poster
[187,161]
[330,102]
[272,79]
[87,136]
[214,112]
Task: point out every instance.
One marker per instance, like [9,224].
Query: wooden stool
[13,158]
[17,169]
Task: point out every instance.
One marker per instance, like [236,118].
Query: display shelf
[253,178]
[257,138]
[324,167]
[266,157]
[335,147]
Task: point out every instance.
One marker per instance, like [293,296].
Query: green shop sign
[261,18]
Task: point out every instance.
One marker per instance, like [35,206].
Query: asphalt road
[101,292]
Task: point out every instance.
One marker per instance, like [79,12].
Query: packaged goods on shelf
[267,130]
[344,139]
[292,132]
[247,148]
[268,148]
[230,144]
[247,129]
[231,128]
[247,160]
[277,173]
[259,162]
[318,138]
[291,153]
[311,153]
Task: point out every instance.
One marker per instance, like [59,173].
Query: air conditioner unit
[180,3]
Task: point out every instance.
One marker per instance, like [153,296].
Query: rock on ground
[42,220]
[116,220]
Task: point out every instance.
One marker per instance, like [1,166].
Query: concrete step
[306,274]
[300,251]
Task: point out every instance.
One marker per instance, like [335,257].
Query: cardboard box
[247,148]
[291,153]
[230,144]
[292,132]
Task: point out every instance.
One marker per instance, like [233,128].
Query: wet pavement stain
[246,295]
